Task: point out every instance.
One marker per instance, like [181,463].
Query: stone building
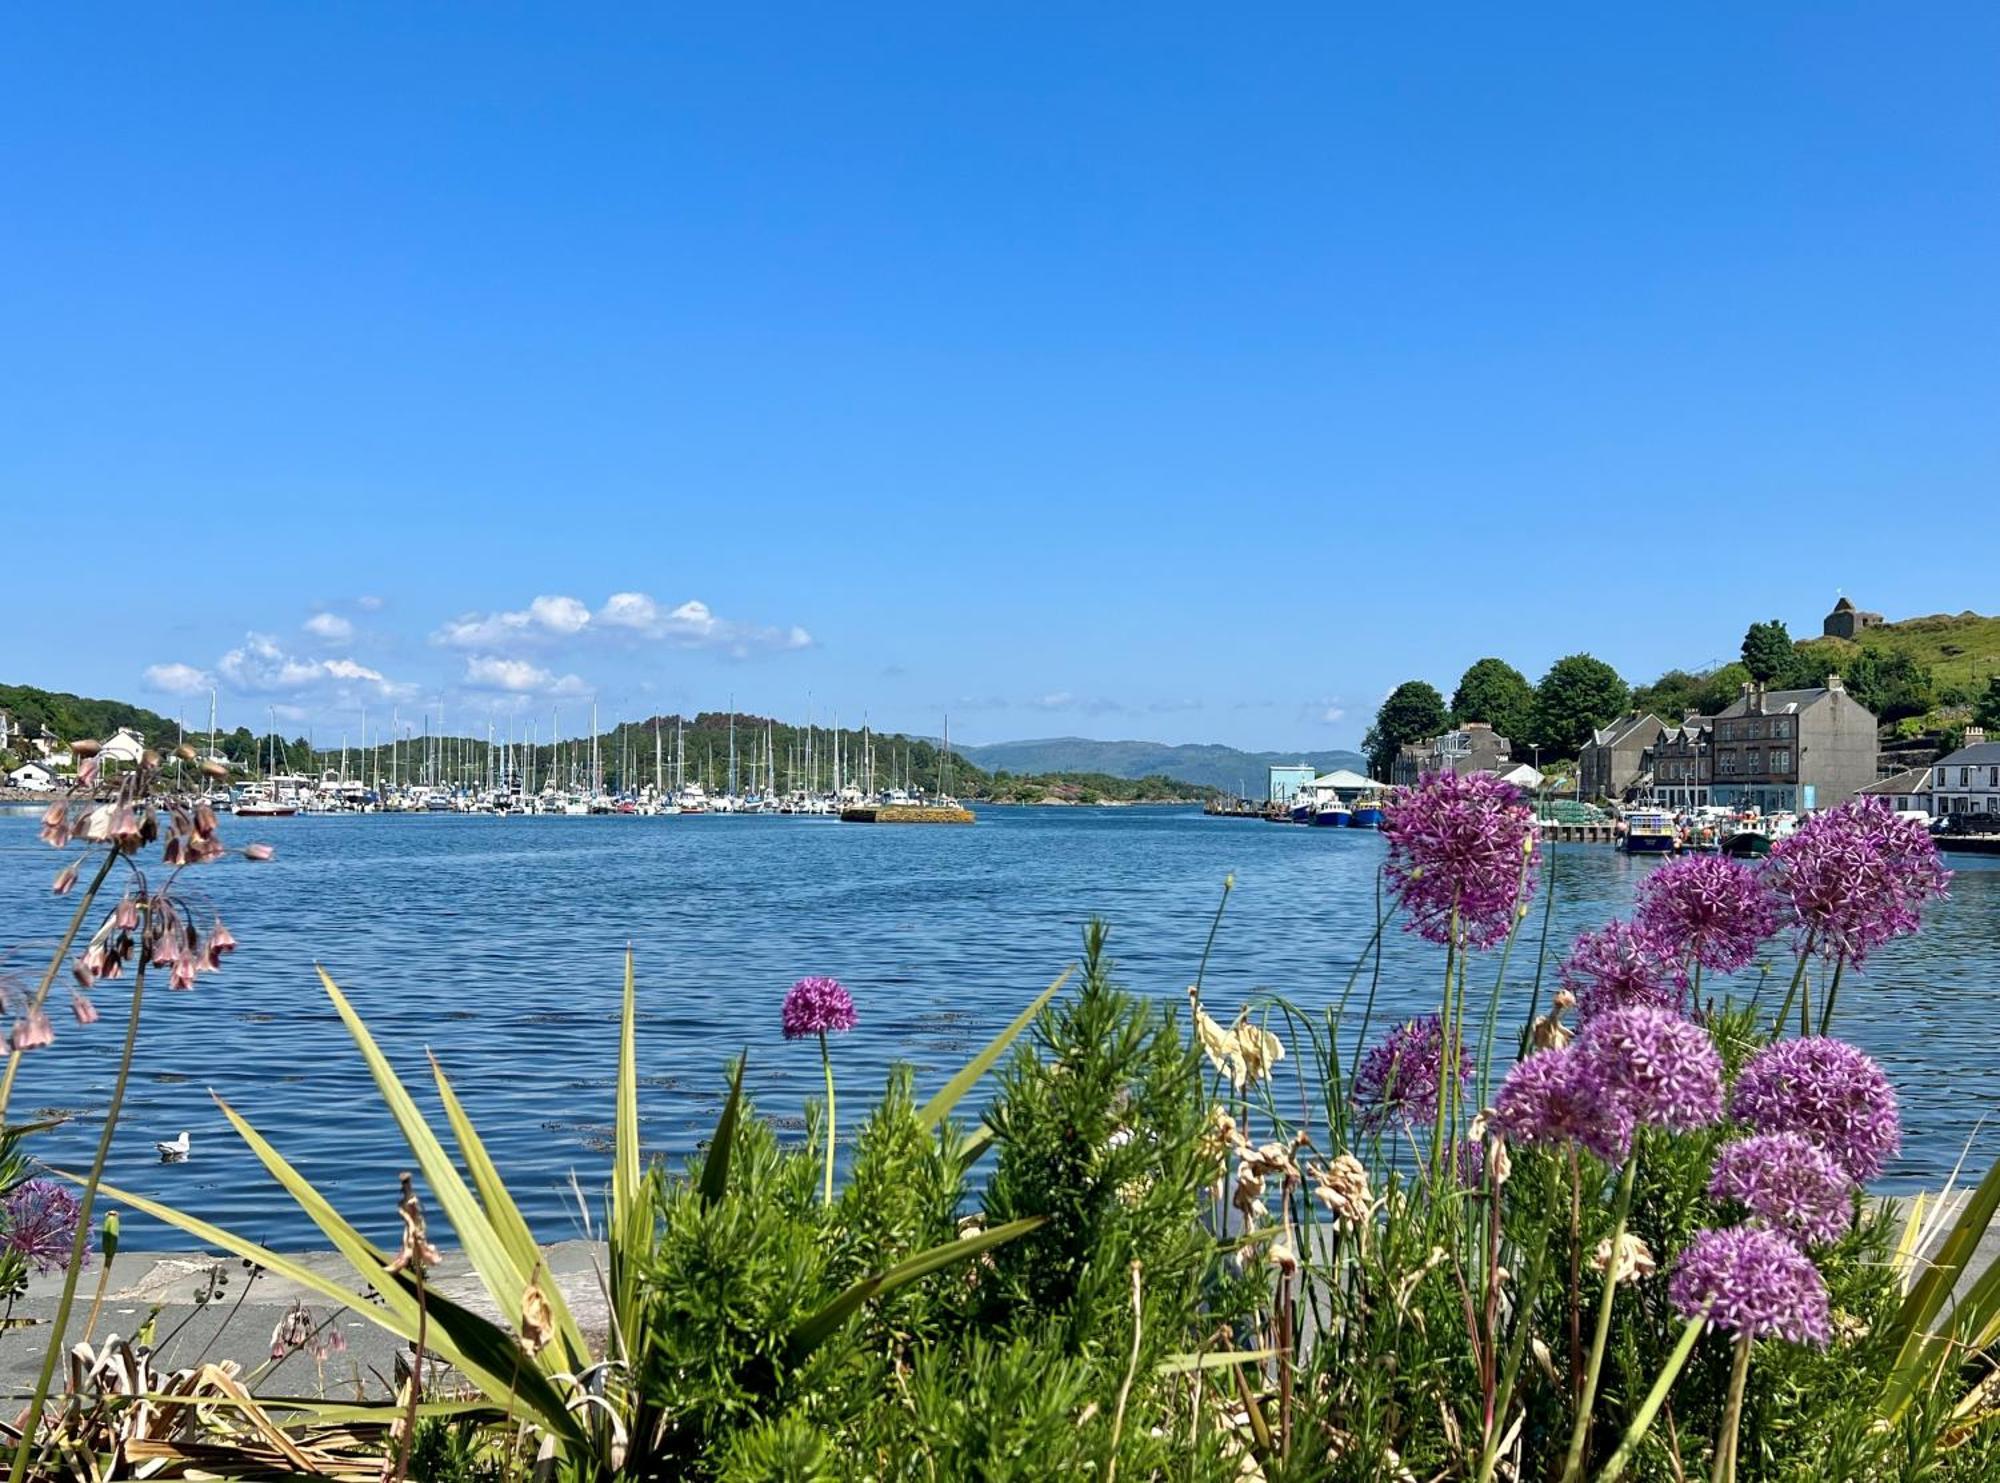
[1793,750]
[1473,747]
[1682,763]
[1846,620]
[1612,761]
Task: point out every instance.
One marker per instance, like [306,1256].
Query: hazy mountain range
[1216,766]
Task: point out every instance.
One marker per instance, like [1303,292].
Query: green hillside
[1960,650]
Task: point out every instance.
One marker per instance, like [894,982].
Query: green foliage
[1986,711]
[1093,787]
[1767,651]
[1576,696]
[1495,692]
[72,716]
[1413,712]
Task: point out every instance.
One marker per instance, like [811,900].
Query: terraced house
[1792,750]
[1968,781]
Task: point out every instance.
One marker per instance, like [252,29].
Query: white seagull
[175,1152]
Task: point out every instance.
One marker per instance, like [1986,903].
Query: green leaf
[1186,1364]
[508,1222]
[815,1330]
[1913,1326]
[939,1107]
[715,1167]
[505,1282]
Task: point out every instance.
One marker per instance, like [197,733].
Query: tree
[1495,692]
[1987,712]
[1720,687]
[1672,695]
[1767,651]
[1414,711]
[1576,696]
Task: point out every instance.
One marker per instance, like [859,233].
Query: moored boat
[1650,833]
[1366,813]
[1332,816]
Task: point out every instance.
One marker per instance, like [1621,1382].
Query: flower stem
[1832,991]
[1524,1315]
[1732,1415]
[31,1424]
[1655,1398]
[1580,1432]
[49,975]
[826,1060]
[1798,978]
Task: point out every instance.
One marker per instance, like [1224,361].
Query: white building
[32,777]
[1908,792]
[128,746]
[1968,781]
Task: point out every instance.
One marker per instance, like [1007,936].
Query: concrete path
[239,1322]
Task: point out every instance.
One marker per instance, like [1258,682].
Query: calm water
[497,944]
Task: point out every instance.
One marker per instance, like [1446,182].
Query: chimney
[1974,735]
[1835,684]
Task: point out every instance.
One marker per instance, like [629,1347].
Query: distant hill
[1210,766]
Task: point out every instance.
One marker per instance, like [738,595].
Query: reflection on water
[497,944]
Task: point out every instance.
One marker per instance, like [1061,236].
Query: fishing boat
[1366,813]
[1650,833]
[1335,815]
[1302,811]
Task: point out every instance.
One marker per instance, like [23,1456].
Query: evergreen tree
[1495,692]
[1767,651]
[1577,695]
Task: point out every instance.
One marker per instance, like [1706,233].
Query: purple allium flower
[1556,1097]
[1855,877]
[817,1006]
[38,1220]
[1755,1282]
[1620,965]
[1788,1183]
[1830,1092]
[1464,845]
[1662,1069]
[1712,910]
[1399,1077]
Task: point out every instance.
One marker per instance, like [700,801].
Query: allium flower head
[1855,877]
[1620,965]
[1662,1069]
[38,1220]
[1463,845]
[1708,909]
[1788,1183]
[1400,1077]
[1755,1283]
[817,1006]
[1828,1091]
[1556,1097]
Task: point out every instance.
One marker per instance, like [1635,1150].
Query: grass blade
[625,1158]
[1915,1321]
[939,1107]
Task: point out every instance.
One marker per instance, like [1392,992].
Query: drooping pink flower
[1620,965]
[1401,1076]
[85,1011]
[1855,877]
[1662,1069]
[32,1031]
[1461,849]
[55,825]
[1708,909]
[1828,1091]
[1752,1282]
[1556,1097]
[65,881]
[817,1006]
[1788,1183]
[257,852]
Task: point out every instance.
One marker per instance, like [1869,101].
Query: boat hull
[1331,818]
[1365,818]
[1747,845]
[1649,844]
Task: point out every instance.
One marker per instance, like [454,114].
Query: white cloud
[1331,714]
[260,667]
[178,679]
[329,626]
[635,615]
[368,603]
[518,676]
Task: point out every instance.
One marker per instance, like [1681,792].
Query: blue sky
[1166,374]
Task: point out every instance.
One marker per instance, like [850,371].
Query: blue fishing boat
[1650,834]
[1301,811]
[1332,816]
[1367,812]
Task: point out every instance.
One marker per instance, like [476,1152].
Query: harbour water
[497,944]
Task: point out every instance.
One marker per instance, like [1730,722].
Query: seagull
[175,1152]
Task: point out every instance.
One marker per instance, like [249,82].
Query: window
[1782,726]
[1729,762]
[1781,760]
[1754,762]
[1965,777]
